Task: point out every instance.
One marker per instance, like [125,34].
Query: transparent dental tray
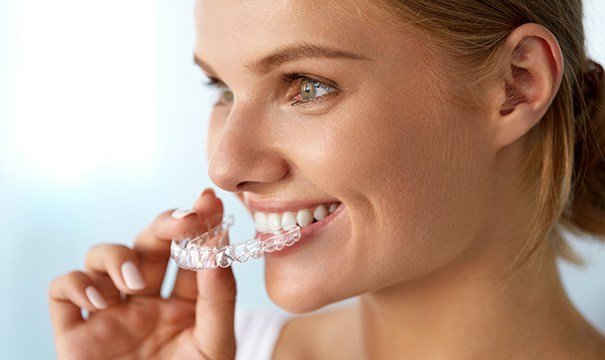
[190,251]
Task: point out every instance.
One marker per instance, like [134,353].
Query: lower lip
[307,233]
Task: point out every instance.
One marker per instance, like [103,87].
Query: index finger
[152,245]
[211,211]
[154,241]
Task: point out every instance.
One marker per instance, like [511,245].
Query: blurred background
[102,126]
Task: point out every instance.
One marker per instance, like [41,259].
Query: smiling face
[379,137]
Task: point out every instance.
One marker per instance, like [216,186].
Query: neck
[455,314]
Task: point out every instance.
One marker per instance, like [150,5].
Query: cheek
[424,180]
[411,177]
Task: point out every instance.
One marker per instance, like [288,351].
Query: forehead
[232,32]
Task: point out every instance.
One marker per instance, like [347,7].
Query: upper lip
[278,206]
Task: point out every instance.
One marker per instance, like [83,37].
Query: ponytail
[586,209]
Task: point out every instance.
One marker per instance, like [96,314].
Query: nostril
[242,186]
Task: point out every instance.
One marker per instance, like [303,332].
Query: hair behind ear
[565,166]
[586,211]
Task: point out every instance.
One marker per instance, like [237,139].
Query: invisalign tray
[190,253]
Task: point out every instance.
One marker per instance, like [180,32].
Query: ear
[533,68]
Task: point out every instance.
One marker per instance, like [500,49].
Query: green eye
[311,90]
[307,90]
[227,95]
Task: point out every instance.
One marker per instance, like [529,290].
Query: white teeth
[288,218]
[320,212]
[260,219]
[333,207]
[304,217]
[274,221]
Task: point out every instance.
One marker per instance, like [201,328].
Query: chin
[297,297]
[306,295]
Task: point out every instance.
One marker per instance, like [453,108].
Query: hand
[127,317]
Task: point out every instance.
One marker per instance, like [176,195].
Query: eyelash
[213,82]
[287,77]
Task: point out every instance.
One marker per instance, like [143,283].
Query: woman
[455,135]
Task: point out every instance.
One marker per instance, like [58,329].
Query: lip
[307,233]
[276,206]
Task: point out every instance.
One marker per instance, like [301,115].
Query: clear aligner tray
[189,251]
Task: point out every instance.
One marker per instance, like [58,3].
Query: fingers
[215,312]
[106,287]
[68,294]
[215,295]
[152,245]
[209,208]
[120,263]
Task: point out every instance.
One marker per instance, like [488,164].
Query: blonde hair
[565,171]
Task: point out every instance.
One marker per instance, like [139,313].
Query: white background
[102,127]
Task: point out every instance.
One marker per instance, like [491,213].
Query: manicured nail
[95,297]
[181,213]
[132,276]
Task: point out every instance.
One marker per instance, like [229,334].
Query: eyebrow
[287,54]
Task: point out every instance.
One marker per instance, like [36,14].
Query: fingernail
[95,297]
[132,276]
[181,213]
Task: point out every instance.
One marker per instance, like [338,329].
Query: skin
[194,322]
[413,173]
[432,213]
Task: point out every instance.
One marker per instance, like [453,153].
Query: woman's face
[410,169]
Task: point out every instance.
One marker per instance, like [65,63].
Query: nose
[244,156]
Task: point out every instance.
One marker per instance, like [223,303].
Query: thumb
[215,312]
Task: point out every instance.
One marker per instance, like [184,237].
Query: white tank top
[256,332]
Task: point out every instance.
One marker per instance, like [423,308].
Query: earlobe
[533,71]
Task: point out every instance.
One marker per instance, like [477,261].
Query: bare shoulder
[318,335]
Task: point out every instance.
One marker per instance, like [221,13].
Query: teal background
[78,82]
